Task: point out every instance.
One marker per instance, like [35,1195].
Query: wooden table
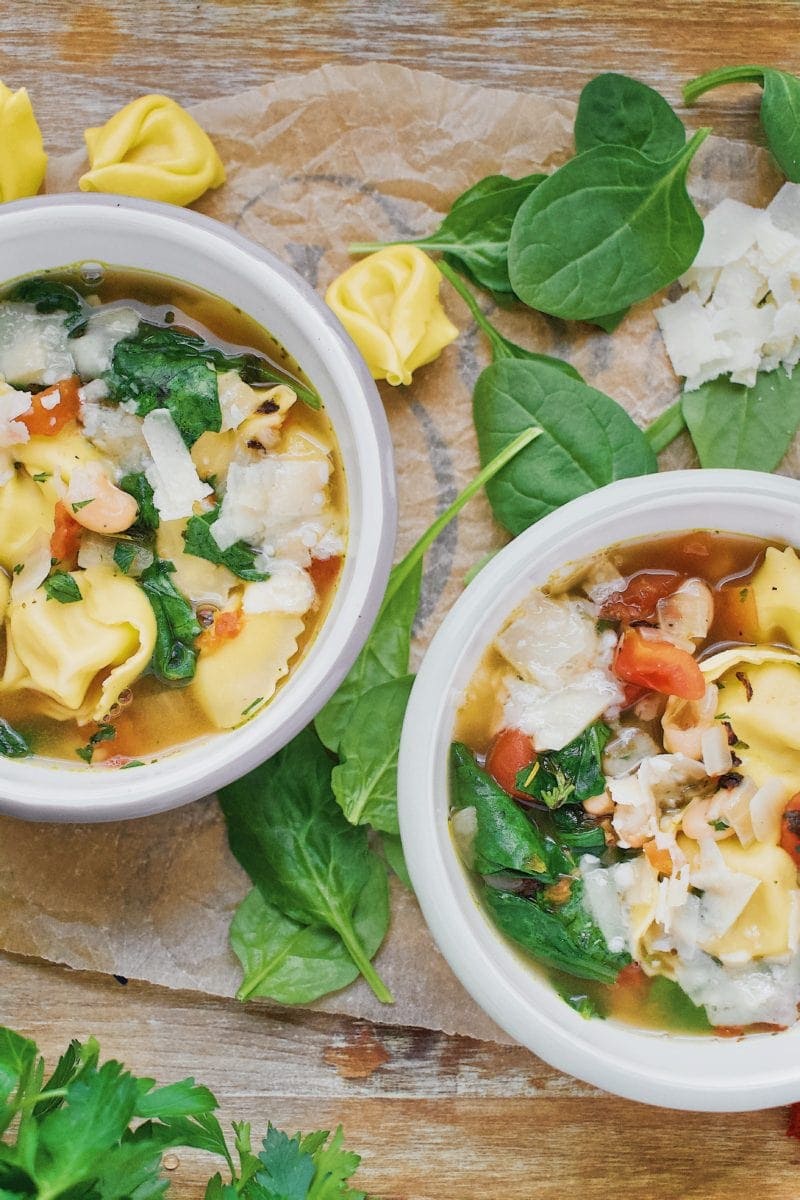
[433,1116]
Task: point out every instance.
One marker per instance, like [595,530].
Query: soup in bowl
[600,782]
[184,532]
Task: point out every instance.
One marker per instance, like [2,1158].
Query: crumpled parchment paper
[314,162]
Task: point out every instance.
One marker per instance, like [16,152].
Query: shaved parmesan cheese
[740,313]
[289,589]
[464,825]
[717,757]
[766,810]
[237,400]
[554,717]
[117,433]
[602,900]
[13,404]
[173,476]
[635,814]
[34,348]
[94,351]
[765,991]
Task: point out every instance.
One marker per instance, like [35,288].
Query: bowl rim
[34,791]
[697,1073]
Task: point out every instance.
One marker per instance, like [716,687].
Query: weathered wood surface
[433,1116]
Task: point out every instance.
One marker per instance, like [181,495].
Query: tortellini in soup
[172,517]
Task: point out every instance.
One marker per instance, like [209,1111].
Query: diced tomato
[658,666]
[66,536]
[790,829]
[632,979]
[325,571]
[45,420]
[510,751]
[632,695]
[638,599]
[226,625]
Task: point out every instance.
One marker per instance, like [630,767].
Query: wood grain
[433,1116]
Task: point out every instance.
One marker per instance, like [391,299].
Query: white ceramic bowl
[699,1073]
[59,231]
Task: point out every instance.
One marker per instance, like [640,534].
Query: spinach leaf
[610,321]
[569,775]
[666,427]
[137,485]
[174,657]
[162,368]
[12,745]
[124,554]
[780,108]
[587,440]
[51,296]
[747,427]
[386,651]
[608,228]
[506,839]
[559,935]
[291,837]
[294,963]
[474,234]
[501,347]
[574,830]
[615,110]
[105,733]
[63,587]
[393,853]
[238,558]
[365,781]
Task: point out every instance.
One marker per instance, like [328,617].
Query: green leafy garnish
[570,775]
[238,558]
[392,849]
[608,228]
[474,234]
[747,427]
[288,833]
[104,733]
[174,657]
[137,485]
[124,554]
[780,108]
[63,587]
[77,505]
[12,743]
[50,296]
[563,935]
[615,110]
[42,476]
[587,439]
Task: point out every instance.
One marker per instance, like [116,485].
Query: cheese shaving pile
[740,313]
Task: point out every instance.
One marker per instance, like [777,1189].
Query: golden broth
[161,716]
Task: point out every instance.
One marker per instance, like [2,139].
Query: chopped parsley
[63,587]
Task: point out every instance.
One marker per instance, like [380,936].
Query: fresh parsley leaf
[105,733]
[79,504]
[12,743]
[174,657]
[287,1169]
[136,484]
[570,775]
[63,587]
[238,558]
[124,554]
[42,477]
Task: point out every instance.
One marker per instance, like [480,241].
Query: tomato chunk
[53,408]
[66,536]
[325,571]
[658,666]
[228,624]
[638,599]
[510,751]
[790,829]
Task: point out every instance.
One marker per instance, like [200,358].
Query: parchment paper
[316,161]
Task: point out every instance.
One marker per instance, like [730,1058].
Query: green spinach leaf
[365,781]
[63,587]
[666,427]
[747,427]
[392,849]
[291,837]
[474,234]
[501,347]
[559,935]
[12,743]
[608,228]
[294,963]
[587,440]
[138,486]
[162,368]
[615,110]
[506,839]
[51,296]
[780,108]
[238,558]
[174,657]
[569,775]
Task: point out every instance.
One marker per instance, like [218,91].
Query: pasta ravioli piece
[246,670]
[25,508]
[57,456]
[776,587]
[60,650]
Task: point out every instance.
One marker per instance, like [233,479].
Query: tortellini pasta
[245,671]
[25,508]
[60,650]
[776,591]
